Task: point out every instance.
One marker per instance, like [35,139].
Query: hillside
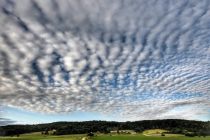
[64,128]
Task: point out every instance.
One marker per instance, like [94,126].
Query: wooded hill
[61,128]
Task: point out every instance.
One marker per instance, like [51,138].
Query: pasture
[142,137]
[38,136]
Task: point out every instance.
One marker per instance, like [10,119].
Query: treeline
[61,128]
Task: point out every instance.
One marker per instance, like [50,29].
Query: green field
[142,137]
[38,136]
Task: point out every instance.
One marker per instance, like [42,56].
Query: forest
[175,126]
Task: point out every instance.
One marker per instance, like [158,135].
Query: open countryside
[142,136]
[170,129]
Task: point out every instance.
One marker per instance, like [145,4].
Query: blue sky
[123,60]
[29,117]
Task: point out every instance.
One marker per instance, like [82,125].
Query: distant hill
[60,128]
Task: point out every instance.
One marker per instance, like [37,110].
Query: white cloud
[153,54]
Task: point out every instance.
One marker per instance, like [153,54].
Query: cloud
[134,58]
[4,121]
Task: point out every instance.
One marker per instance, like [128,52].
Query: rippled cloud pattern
[139,59]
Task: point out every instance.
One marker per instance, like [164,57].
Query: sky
[121,60]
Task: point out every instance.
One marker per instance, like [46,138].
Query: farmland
[142,136]
[38,136]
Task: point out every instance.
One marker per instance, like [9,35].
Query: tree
[90,134]
[162,134]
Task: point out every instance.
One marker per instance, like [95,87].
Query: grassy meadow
[142,137]
[146,135]
[38,136]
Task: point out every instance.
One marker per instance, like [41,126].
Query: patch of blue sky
[187,110]
[204,117]
[27,117]
[184,95]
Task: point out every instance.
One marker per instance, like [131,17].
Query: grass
[154,132]
[158,132]
[38,136]
[142,137]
